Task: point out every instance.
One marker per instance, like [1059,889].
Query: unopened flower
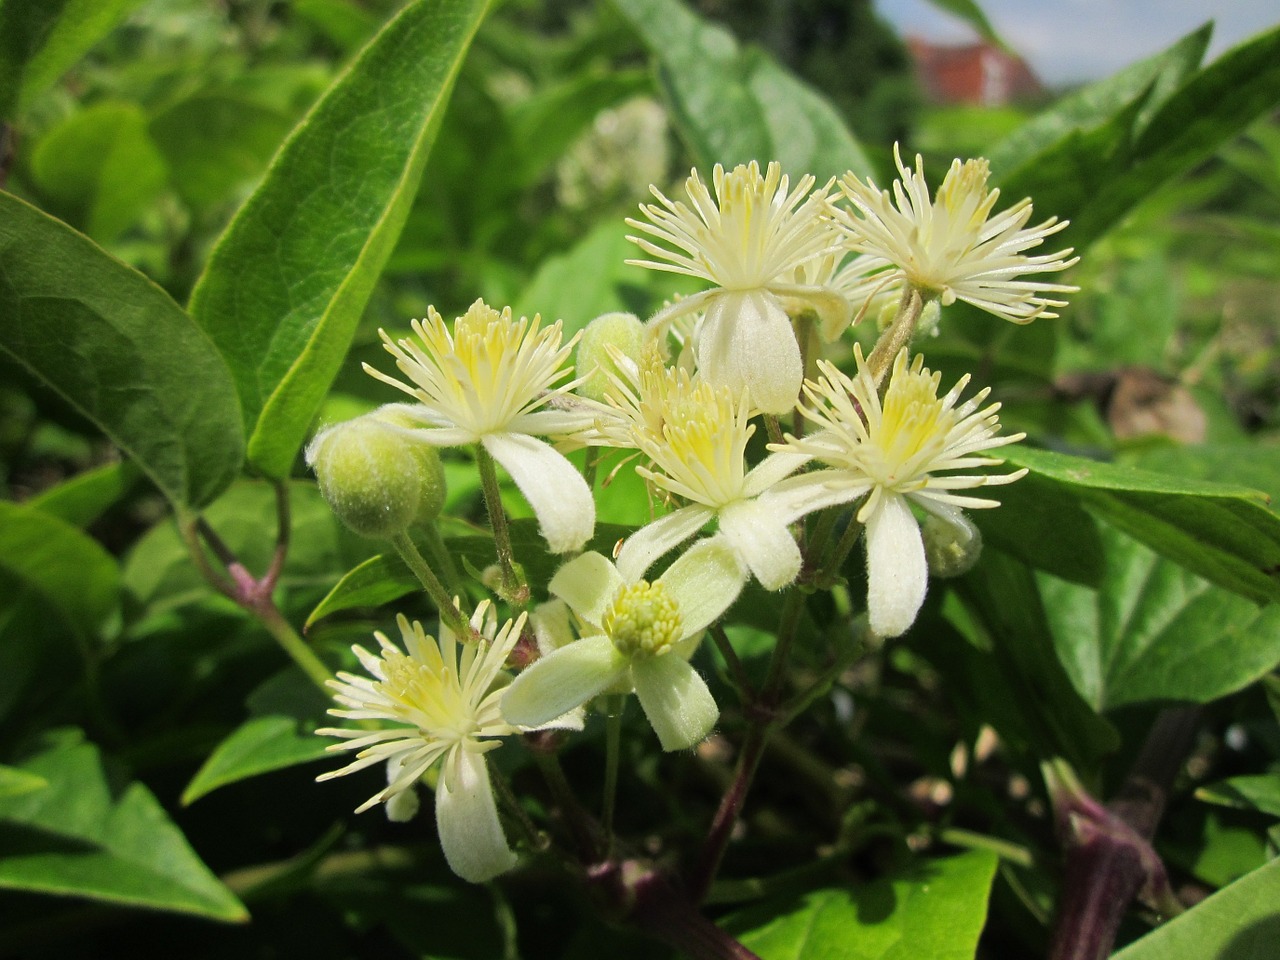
[443,698]
[896,452]
[493,382]
[749,240]
[694,436]
[636,635]
[951,247]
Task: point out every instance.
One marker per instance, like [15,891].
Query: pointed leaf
[83,498]
[1260,792]
[78,837]
[118,349]
[14,782]
[257,746]
[284,289]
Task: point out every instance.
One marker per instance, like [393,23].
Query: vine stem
[897,336]
[449,613]
[514,589]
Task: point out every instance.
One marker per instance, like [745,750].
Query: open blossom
[443,699]
[694,436]
[492,382]
[896,452]
[749,240]
[636,635]
[951,247]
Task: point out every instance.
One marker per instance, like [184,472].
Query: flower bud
[624,333]
[952,547]
[377,477]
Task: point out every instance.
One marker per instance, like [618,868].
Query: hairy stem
[514,589]
[897,336]
[449,614]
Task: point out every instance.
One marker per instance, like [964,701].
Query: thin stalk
[449,614]
[746,692]
[442,558]
[897,336]
[292,644]
[536,839]
[774,428]
[612,754]
[514,588]
[584,830]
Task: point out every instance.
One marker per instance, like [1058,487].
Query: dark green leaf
[936,909]
[82,499]
[1261,792]
[1044,526]
[1220,532]
[1239,922]
[283,291]
[80,837]
[1153,631]
[140,369]
[1255,465]
[257,746]
[378,580]
[69,570]
[733,105]
[342,21]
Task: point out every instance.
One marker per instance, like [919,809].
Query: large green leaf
[82,499]
[1153,631]
[69,570]
[936,909]
[41,39]
[1223,533]
[119,350]
[1239,922]
[283,291]
[1260,792]
[81,836]
[733,105]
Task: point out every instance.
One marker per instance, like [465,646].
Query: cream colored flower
[636,635]
[749,240]
[443,698]
[493,382]
[951,248]
[896,452]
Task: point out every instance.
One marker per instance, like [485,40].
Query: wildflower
[636,635]
[892,451]
[494,382]
[443,697]
[749,241]
[952,248]
[695,436]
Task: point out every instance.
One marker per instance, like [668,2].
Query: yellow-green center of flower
[428,696]
[643,620]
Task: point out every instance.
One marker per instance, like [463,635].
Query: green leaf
[733,105]
[1153,631]
[70,571]
[936,909]
[140,369]
[972,14]
[1044,526]
[342,21]
[1221,532]
[283,291]
[86,496]
[40,41]
[1260,792]
[1255,465]
[82,836]
[14,782]
[1092,106]
[100,168]
[1238,922]
[378,580]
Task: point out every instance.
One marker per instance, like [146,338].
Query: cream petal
[467,819]
[557,683]
[772,469]
[675,699]
[763,541]
[897,573]
[746,340]
[646,545]
[588,584]
[560,498]
[704,582]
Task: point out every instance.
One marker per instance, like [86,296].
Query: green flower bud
[377,477]
[952,548]
[624,333]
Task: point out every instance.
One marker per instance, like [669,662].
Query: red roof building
[977,73]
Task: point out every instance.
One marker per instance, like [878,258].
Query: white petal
[799,496]
[568,678]
[560,498]
[551,628]
[467,819]
[772,469]
[746,340]
[704,582]
[897,574]
[675,699]
[763,541]
[588,584]
[652,540]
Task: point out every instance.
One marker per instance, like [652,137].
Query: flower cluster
[877,443]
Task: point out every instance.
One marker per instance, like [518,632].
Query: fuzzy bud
[951,548]
[377,477]
[604,339]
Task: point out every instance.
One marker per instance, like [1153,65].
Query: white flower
[443,697]
[695,436]
[892,451]
[492,382]
[636,635]
[951,248]
[749,241]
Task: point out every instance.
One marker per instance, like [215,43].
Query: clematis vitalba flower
[443,698]
[636,635]
[951,247]
[750,240]
[492,382]
[896,452]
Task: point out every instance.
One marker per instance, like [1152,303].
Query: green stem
[443,559]
[612,753]
[897,336]
[514,589]
[449,614]
[279,628]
